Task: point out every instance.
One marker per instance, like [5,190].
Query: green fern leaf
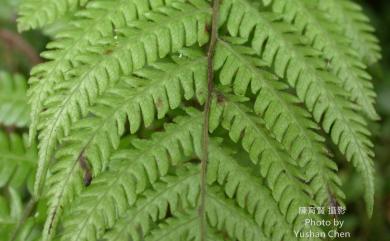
[237,223]
[326,37]
[179,141]
[11,209]
[198,120]
[88,83]
[38,13]
[249,192]
[281,115]
[356,26]
[101,18]
[276,165]
[180,229]
[13,101]
[171,192]
[317,88]
[122,102]
[17,161]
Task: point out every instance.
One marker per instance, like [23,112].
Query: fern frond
[73,97]
[290,124]
[102,19]
[139,168]
[171,192]
[38,13]
[355,25]
[317,88]
[183,228]
[185,189]
[250,192]
[277,167]
[224,215]
[215,236]
[11,209]
[17,161]
[13,100]
[123,140]
[326,36]
[234,223]
[134,98]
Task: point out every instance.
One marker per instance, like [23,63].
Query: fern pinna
[197,119]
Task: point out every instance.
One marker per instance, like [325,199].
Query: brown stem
[15,41]
[206,113]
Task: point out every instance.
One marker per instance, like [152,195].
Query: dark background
[377,228]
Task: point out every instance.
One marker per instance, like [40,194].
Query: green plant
[17,162]
[192,120]
[13,101]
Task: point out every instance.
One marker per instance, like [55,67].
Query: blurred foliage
[378,227]
[19,52]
